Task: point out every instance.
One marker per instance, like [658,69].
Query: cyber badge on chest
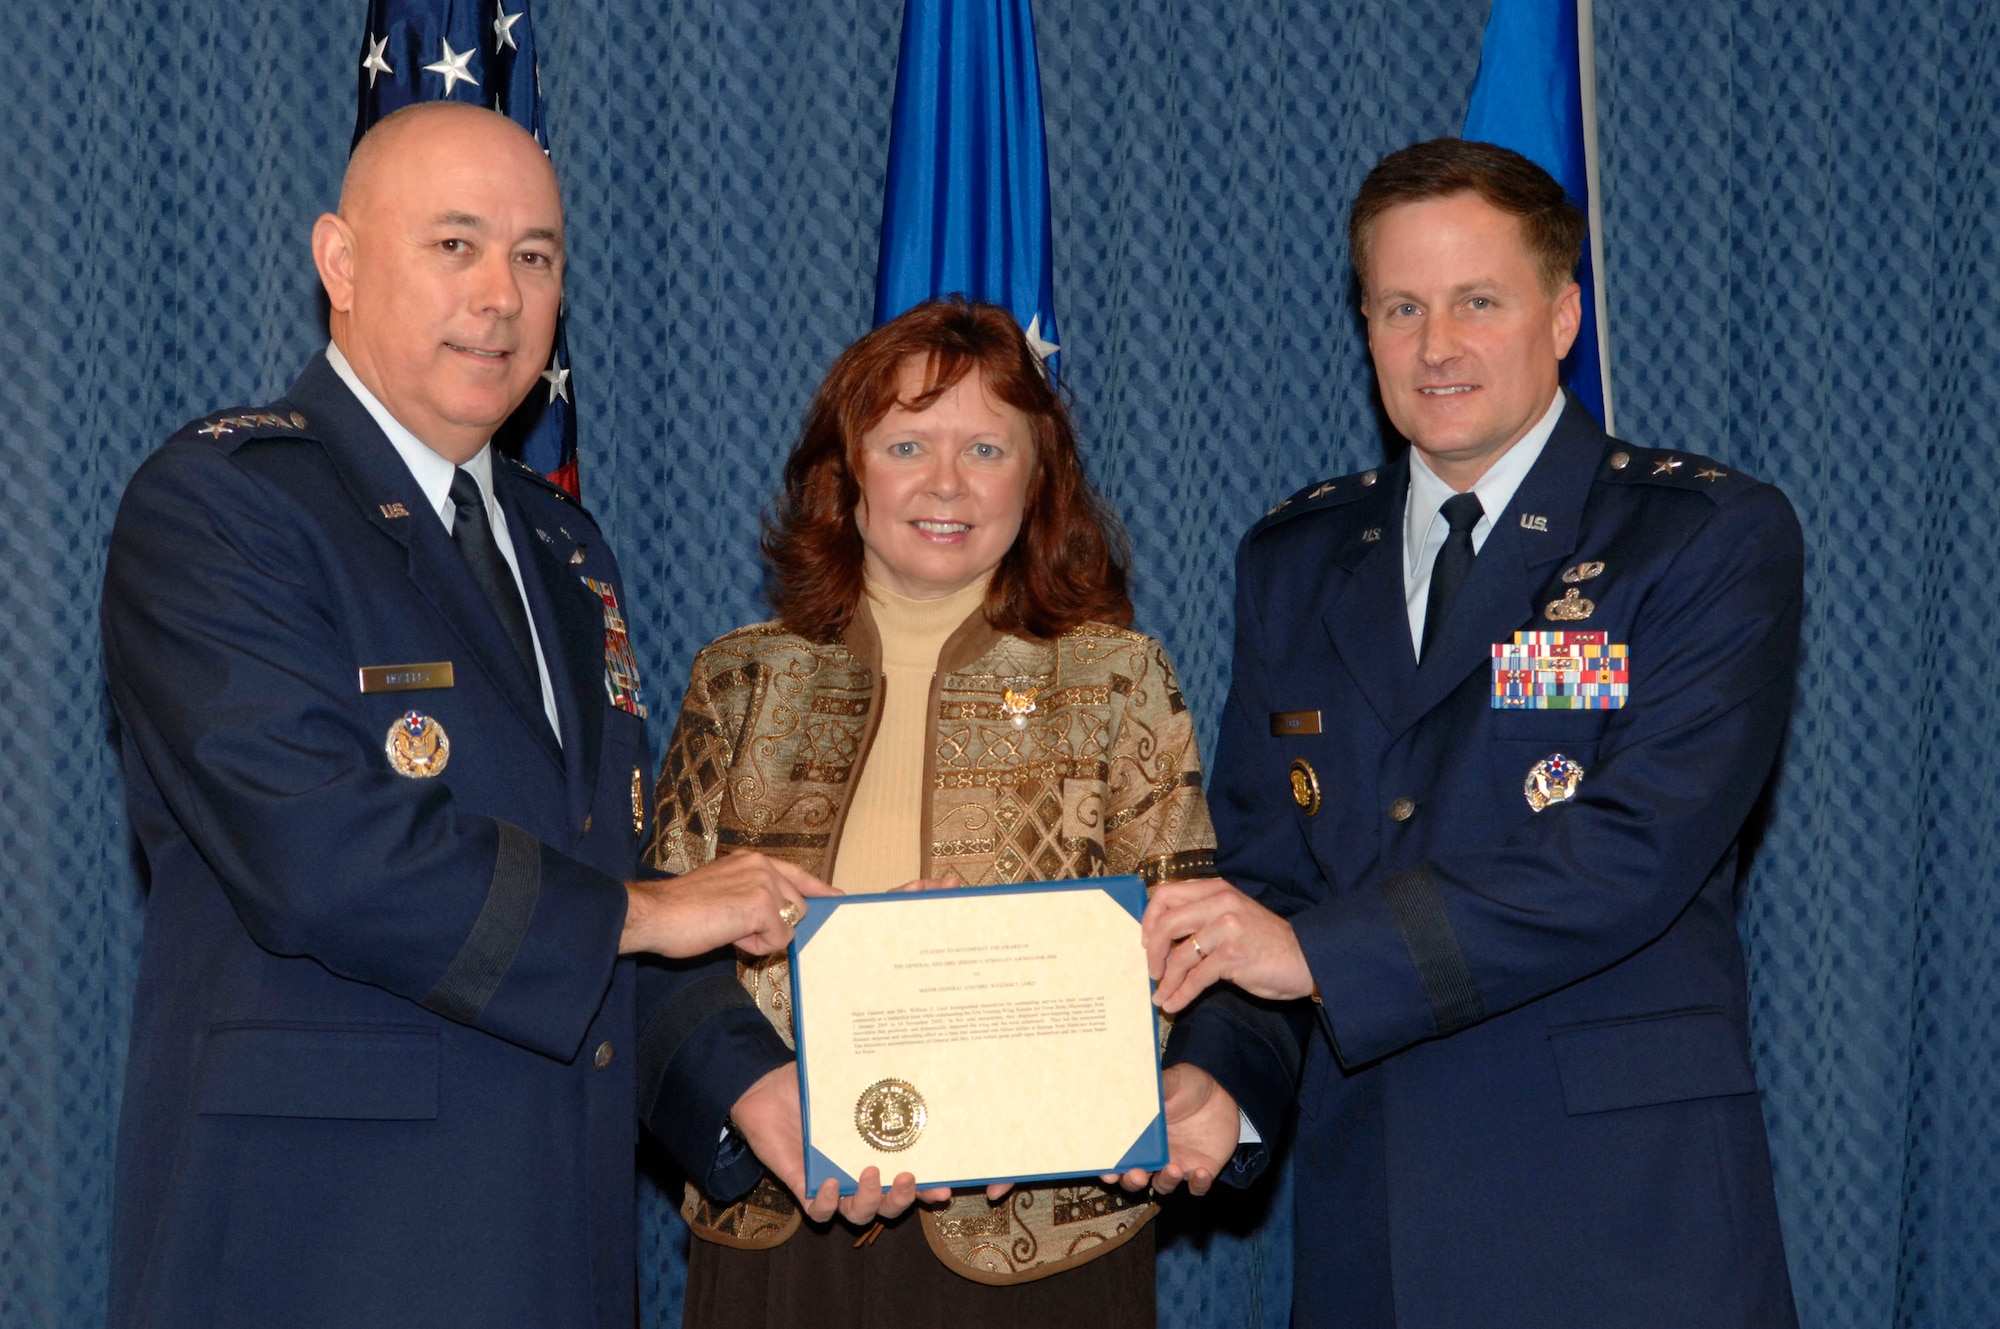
[417,746]
[1552,780]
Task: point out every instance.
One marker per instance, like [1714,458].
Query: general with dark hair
[385,752]
[948,695]
[1499,713]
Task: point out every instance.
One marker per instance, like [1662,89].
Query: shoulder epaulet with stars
[1322,495]
[1627,464]
[239,424]
[527,472]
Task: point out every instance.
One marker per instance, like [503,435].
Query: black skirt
[822,1279]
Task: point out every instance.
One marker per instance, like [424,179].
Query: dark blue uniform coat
[385,1066]
[1527,1097]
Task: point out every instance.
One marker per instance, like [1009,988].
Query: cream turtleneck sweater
[882,843]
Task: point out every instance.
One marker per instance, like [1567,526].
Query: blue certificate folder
[1148,1150]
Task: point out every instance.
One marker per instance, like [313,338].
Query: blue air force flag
[966,207]
[1536,93]
[483,52]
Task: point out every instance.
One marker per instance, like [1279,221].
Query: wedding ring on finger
[1199,953]
[789,915]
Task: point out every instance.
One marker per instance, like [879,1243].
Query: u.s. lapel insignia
[1534,521]
[1553,779]
[1305,786]
[1582,572]
[1372,535]
[621,670]
[1572,608]
[1017,700]
[638,803]
[417,746]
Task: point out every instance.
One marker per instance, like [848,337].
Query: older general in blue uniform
[1499,713]
[385,755]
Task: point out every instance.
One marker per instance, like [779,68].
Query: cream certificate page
[997,1033]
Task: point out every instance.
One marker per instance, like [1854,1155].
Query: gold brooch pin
[1017,700]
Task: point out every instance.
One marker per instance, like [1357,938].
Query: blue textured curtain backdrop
[1801,256]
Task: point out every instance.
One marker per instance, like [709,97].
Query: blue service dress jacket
[386,1068]
[1526,1095]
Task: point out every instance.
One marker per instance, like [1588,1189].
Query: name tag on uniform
[406,677]
[1291,724]
[1560,671]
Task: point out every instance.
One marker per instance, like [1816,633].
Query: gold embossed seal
[417,746]
[890,1115]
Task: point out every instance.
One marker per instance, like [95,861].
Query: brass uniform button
[1403,809]
[603,1055]
[1620,460]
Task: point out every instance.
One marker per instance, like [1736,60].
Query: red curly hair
[1066,567]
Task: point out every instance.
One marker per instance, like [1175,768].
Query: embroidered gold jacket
[1071,757]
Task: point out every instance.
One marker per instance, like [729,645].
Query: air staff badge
[417,746]
[1553,779]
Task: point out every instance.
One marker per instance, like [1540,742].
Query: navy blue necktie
[473,534]
[1454,564]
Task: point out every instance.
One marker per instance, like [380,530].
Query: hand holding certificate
[1001,1033]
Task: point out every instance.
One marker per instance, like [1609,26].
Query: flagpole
[1586,53]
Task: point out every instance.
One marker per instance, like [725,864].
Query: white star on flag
[1042,349]
[453,68]
[558,380]
[503,31]
[375,64]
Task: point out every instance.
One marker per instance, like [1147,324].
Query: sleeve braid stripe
[1434,949]
[489,949]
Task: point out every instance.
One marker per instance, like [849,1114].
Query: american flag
[483,52]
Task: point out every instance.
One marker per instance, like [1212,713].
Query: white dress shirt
[1424,524]
[433,474]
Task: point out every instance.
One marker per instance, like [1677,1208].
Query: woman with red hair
[950,693]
